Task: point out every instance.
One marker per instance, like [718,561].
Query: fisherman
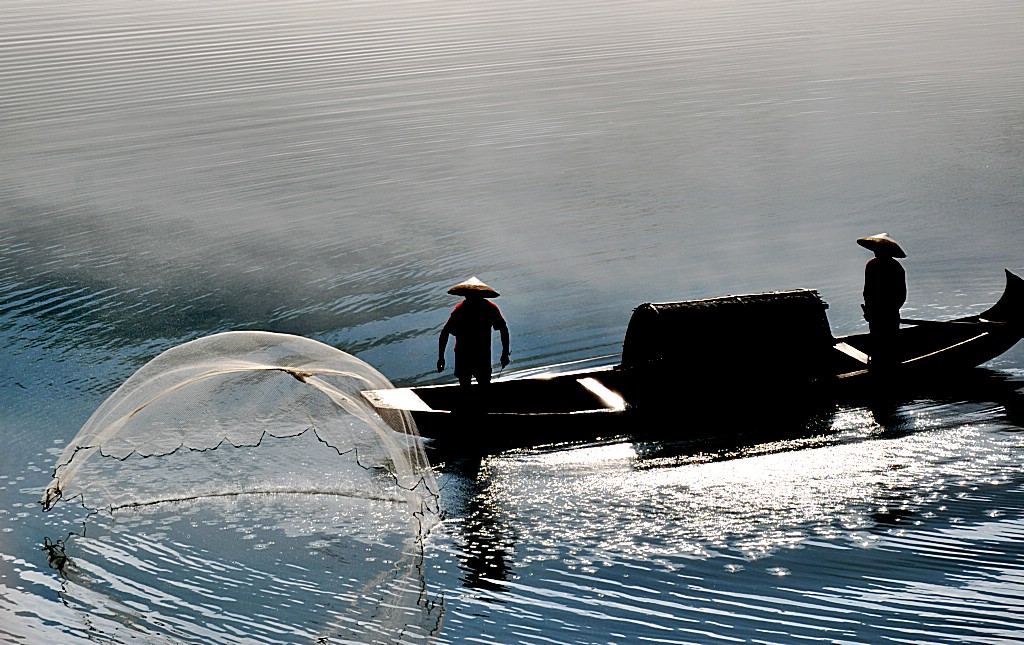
[885,291]
[471,323]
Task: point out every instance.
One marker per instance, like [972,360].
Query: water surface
[328,169]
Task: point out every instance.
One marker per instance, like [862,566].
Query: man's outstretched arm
[504,346]
[442,345]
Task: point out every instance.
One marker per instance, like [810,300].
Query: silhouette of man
[471,323]
[885,291]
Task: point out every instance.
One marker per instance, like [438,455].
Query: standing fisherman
[471,323]
[885,291]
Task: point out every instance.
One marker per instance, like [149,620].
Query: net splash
[168,433]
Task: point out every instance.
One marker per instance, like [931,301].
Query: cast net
[246,413]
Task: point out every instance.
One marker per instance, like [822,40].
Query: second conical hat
[473,287]
[882,243]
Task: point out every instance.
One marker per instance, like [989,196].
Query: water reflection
[979,394]
[722,433]
[488,543]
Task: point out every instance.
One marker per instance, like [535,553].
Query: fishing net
[208,418]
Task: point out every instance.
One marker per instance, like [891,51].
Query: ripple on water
[842,542]
[326,168]
[338,567]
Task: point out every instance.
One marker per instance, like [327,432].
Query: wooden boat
[936,347]
[686,355]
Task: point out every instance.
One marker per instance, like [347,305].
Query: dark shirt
[471,323]
[885,288]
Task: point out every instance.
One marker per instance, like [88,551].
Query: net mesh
[244,389]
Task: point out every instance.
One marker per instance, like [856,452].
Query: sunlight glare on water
[740,508]
[811,535]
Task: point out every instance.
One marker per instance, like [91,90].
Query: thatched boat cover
[765,335]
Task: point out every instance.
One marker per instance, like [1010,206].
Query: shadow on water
[735,429]
[488,542]
[997,395]
[726,433]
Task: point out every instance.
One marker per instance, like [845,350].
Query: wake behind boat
[680,353]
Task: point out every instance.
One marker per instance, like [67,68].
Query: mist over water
[173,170]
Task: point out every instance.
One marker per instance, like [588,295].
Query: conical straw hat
[882,243]
[473,287]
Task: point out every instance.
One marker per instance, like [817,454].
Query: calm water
[174,169]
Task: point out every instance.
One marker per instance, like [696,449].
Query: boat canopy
[779,334]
